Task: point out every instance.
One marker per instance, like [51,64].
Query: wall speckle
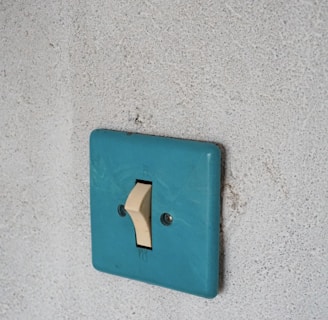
[250,75]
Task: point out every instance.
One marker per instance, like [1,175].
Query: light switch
[155,209]
[138,206]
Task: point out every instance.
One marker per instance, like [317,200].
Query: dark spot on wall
[137,119]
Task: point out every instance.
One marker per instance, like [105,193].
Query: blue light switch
[184,179]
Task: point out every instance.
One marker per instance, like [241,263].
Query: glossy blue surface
[185,178]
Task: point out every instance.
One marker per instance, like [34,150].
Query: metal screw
[166,219]
[121,210]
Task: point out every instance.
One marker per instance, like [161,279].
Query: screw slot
[121,211]
[166,219]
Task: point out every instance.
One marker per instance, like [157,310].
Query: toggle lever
[138,206]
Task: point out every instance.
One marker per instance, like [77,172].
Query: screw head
[166,219]
[121,210]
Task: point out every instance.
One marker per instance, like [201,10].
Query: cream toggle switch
[138,206]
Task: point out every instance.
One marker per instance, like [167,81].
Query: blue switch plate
[185,177]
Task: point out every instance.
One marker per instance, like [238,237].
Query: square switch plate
[185,177]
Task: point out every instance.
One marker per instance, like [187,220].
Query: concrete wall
[252,75]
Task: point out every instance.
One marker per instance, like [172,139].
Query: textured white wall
[252,75]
